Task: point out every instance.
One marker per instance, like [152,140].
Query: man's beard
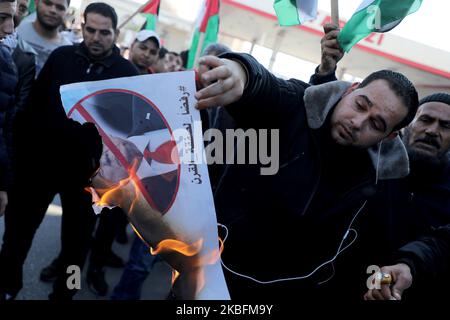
[45,25]
[424,163]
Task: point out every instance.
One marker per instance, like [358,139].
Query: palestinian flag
[31,6]
[206,30]
[151,11]
[294,12]
[375,16]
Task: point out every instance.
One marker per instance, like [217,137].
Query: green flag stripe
[381,16]
[286,12]
[31,6]
[211,35]
[151,21]
[193,50]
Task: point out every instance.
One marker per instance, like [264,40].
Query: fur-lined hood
[320,99]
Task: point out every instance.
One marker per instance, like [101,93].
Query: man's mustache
[429,140]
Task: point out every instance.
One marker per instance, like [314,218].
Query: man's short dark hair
[103,9]
[162,52]
[216,49]
[402,87]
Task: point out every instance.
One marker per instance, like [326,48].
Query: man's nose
[96,36]
[52,9]
[432,130]
[357,122]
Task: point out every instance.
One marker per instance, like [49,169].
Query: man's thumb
[329,27]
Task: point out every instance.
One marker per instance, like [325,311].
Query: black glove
[84,154]
[94,144]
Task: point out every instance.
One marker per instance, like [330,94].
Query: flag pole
[134,14]
[335,12]
[201,41]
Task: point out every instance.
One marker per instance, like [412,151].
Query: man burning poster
[151,167]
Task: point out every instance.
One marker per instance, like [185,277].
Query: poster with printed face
[153,167]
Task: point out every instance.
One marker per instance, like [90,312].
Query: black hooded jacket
[287,224]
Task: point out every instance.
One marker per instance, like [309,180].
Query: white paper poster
[149,126]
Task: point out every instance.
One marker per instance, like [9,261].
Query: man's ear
[352,88]
[116,33]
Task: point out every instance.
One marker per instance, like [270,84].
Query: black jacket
[429,256]
[285,225]
[47,143]
[401,211]
[25,59]
[8,83]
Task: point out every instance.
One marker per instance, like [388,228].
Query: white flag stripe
[307,10]
[364,5]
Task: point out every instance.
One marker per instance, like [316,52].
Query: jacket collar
[107,62]
[393,162]
[25,47]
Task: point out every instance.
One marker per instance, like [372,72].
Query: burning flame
[190,250]
[115,196]
[209,259]
[169,245]
[175,275]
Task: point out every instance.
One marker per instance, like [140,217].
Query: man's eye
[105,33]
[153,52]
[375,125]
[359,106]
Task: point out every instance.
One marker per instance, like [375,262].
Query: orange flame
[175,275]
[189,251]
[209,259]
[113,196]
[178,246]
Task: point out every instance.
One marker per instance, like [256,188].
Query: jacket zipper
[89,68]
[316,185]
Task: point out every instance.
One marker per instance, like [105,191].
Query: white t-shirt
[42,46]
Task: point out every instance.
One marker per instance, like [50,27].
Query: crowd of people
[364,175]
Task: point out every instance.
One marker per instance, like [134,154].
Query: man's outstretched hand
[224,82]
